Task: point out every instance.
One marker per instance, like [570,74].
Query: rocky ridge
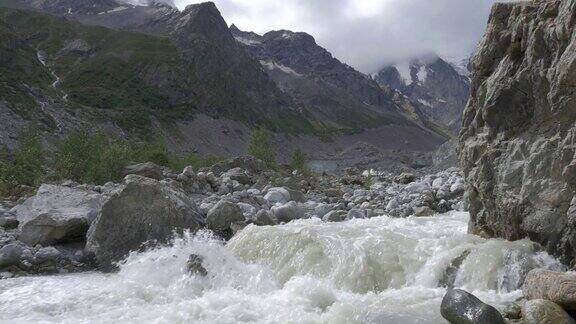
[319,82]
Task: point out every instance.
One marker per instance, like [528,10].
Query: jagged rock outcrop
[518,141]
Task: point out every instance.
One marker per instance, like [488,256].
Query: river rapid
[378,270]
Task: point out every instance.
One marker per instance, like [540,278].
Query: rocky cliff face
[433,84]
[518,141]
[328,89]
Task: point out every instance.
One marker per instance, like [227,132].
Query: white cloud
[368,33]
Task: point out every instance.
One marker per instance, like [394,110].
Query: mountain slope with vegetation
[154,76]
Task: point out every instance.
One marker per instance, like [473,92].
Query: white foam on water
[379,270]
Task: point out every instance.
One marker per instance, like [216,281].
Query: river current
[379,270]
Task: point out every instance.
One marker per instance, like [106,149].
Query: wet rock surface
[461,307]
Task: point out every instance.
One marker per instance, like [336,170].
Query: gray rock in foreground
[56,214]
[145,210]
[558,287]
[461,307]
[540,311]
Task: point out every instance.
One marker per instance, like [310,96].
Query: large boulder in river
[221,217]
[518,140]
[57,214]
[144,210]
[558,287]
[461,307]
[540,311]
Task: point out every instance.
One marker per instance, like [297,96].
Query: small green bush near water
[261,147]
[25,166]
[299,162]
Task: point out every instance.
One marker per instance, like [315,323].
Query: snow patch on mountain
[117,9]
[271,65]
[422,73]
[405,74]
[247,41]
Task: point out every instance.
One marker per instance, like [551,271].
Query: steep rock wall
[518,140]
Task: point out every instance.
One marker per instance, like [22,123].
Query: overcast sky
[368,34]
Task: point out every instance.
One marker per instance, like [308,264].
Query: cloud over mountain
[369,33]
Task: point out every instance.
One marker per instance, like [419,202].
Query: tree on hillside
[299,161]
[261,147]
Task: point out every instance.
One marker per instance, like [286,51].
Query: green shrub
[111,162]
[25,167]
[84,158]
[299,162]
[75,158]
[156,152]
[260,147]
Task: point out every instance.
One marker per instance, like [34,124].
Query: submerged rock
[195,267]
[144,210]
[57,214]
[461,307]
[423,211]
[540,311]
[451,272]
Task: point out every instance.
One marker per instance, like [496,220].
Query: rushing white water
[380,270]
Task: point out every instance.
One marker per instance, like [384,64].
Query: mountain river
[379,270]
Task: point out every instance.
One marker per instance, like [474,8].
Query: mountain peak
[203,7]
[234,29]
[205,21]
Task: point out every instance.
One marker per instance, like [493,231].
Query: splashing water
[380,270]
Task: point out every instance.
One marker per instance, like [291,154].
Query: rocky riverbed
[330,241]
[72,227]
